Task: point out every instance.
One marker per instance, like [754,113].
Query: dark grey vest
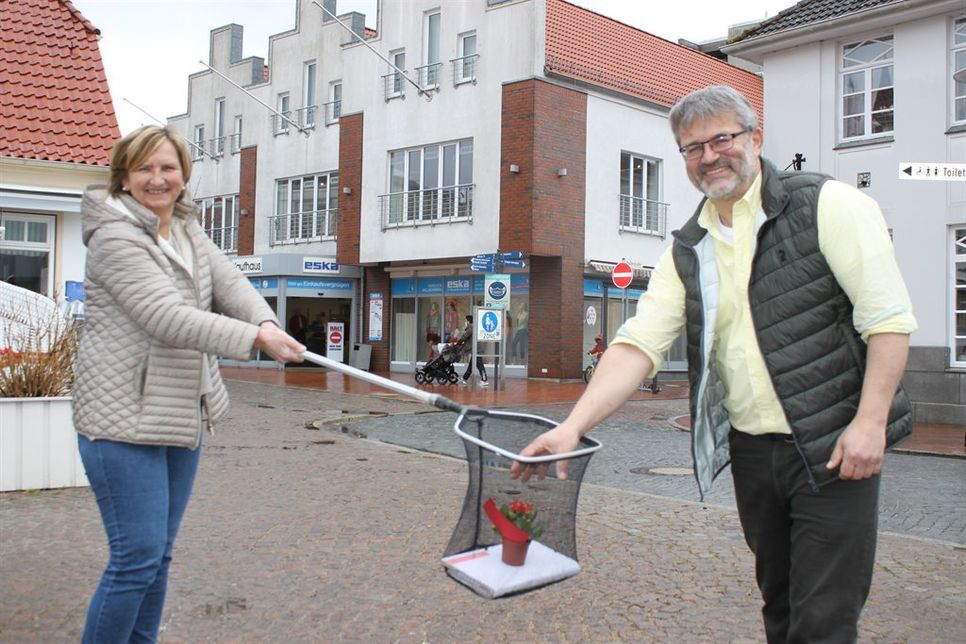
[802,317]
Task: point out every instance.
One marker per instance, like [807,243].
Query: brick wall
[248,173]
[377,281]
[350,176]
[542,214]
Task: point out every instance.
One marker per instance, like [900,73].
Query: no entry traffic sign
[622,275]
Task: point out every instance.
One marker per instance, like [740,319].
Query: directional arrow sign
[479,263]
[511,255]
[513,263]
[933,171]
[487,257]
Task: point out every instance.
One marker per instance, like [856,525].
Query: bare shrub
[38,346]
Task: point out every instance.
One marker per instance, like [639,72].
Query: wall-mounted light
[346,190]
[243,212]
[562,172]
[514,168]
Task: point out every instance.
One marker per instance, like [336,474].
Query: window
[218,144]
[867,88]
[219,219]
[464,67]
[334,107]
[284,107]
[957,325]
[394,80]
[641,209]
[429,72]
[236,137]
[430,184]
[306,209]
[308,109]
[26,251]
[198,149]
[959,64]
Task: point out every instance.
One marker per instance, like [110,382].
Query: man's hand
[859,451]
[278,344]
[559,440]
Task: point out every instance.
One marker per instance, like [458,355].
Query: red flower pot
[515,552]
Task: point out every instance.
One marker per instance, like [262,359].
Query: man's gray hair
[710,102]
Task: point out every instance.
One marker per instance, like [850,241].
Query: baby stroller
[441,368]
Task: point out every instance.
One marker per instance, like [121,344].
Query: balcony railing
[643,216]
[464,69]
[303,227]
[280,125]
[305,116]
[427,207]
[225,238]
[428,76]
[234,142]
[394,86]
[333,110]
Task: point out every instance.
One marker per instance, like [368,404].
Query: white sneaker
[484,383]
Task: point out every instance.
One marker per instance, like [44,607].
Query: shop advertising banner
[335,341]
[375,317]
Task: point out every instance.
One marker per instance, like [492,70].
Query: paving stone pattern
[305,535]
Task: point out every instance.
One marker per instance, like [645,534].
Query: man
[465,341]
[797,322]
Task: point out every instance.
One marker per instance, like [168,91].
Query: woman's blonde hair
[137,146]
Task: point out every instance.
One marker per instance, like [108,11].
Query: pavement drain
[663,471]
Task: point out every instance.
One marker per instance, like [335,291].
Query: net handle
[436,400]
[590,449]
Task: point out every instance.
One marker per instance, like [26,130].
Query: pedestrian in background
[163,302]
[466,342]
[797,323]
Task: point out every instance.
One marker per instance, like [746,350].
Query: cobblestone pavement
[297,535]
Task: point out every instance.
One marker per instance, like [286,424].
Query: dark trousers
[479,365]
[814,551]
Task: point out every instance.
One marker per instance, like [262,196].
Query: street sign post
[932,171]
[485,262]
[622,275]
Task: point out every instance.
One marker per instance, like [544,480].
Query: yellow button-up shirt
[852,236]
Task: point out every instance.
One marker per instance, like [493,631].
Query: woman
[163,303]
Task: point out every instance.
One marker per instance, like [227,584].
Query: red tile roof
[595,49]
[54,101]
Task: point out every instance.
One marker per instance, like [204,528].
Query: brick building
[530,126]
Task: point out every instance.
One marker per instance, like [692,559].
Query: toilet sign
[335,342]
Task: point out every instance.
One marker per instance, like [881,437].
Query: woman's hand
[278,344]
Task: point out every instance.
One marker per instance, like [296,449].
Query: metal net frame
[493,441]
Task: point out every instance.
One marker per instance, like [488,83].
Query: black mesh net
[493,441]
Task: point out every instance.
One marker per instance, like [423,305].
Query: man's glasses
[720,143]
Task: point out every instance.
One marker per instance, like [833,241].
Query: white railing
[225,238]
[427,207]
[333,110]
[394,86]
[643,216]
[464,69]
[305,116]
[303,227]
[428,76]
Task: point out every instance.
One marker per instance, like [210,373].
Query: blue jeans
[142,492]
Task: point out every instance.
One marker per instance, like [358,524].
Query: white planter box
[38,445]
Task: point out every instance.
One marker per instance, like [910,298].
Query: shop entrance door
[308,317]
